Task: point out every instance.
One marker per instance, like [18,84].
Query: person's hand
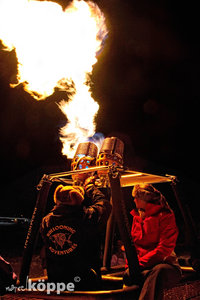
[89,181]
[141,213]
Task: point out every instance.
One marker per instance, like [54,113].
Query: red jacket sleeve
[166,244]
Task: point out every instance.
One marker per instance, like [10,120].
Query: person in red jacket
[154,233]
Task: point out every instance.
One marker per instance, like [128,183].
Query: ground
[189,289]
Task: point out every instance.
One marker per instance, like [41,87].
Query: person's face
[140,204]
[141,207]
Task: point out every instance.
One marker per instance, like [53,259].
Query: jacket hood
[66,209]
[151,209]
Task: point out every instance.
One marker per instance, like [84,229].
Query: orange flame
[56,48]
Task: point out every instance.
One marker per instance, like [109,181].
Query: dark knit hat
[71,195]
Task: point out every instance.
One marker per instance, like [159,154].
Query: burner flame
[57,48]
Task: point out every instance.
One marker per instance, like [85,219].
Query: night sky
[146,82]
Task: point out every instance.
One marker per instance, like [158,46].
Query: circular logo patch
[60,239]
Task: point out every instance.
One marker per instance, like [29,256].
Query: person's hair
[150,194]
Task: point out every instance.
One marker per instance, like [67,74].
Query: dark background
[146,82]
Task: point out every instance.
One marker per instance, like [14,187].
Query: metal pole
[123,225]
[189,234]
[33,230]
[110,229]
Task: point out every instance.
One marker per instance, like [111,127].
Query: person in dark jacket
[154,233]
[72,235]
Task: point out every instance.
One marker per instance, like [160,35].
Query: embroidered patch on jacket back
[60,239]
